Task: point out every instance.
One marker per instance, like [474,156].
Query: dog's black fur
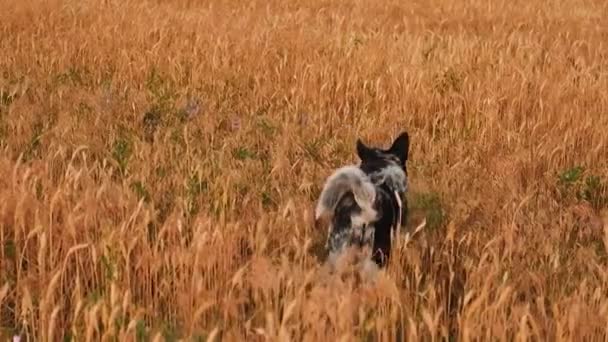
[366,204]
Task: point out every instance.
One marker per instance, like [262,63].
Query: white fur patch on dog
[393,176]
[345,179]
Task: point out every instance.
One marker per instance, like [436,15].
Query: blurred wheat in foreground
[160,161]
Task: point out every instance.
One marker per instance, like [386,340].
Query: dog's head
[377,158]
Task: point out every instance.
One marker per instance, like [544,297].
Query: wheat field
[160,163]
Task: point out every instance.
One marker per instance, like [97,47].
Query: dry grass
[160,162]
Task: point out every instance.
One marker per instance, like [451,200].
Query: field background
[160,162]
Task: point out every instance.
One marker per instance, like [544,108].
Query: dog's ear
[401,146]
[363,151]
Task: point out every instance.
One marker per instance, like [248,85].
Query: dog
[364,206]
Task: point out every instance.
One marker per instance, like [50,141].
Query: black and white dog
[364,205]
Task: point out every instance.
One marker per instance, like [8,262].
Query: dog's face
[375,157]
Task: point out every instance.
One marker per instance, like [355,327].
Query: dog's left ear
[401,146]
[363,151]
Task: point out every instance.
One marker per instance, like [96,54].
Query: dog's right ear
[363,151]
[401,146]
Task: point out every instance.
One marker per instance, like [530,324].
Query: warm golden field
[160,162]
